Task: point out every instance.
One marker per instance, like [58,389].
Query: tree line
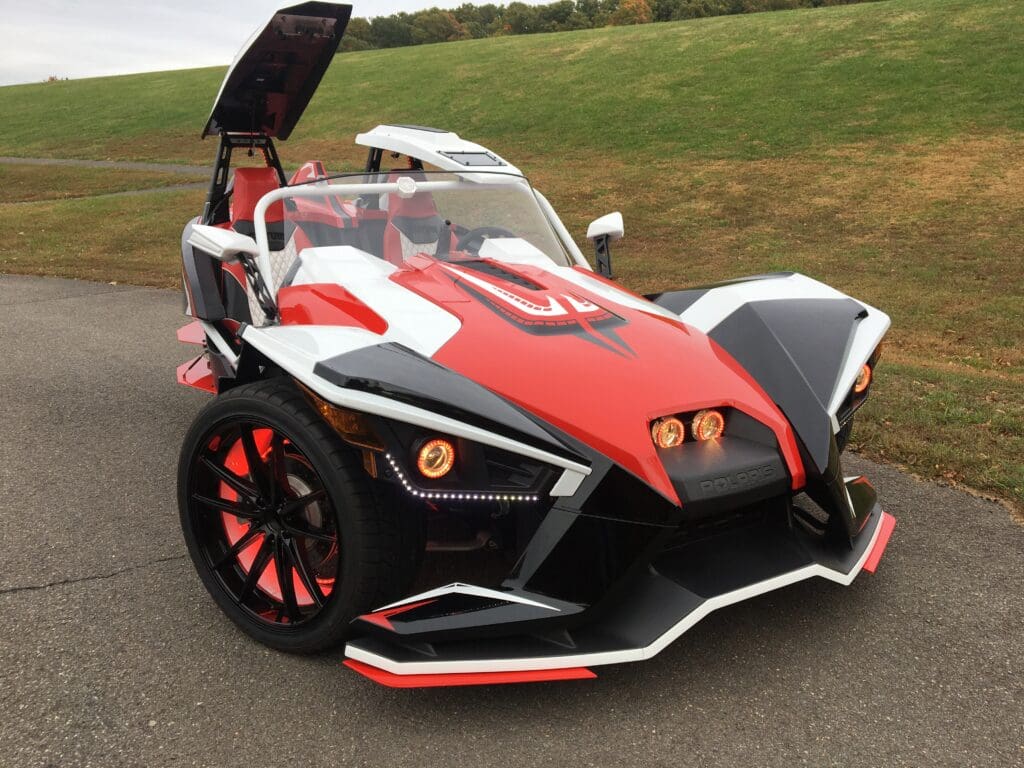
[468,21]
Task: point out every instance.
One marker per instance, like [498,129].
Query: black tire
[372,559]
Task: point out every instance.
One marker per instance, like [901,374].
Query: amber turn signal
[863,379]
[668,432]
[708,425]
[436,458]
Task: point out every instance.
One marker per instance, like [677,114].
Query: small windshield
[399,215]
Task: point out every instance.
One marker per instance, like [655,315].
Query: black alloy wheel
[281,521]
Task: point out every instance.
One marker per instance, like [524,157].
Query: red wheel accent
[266,535]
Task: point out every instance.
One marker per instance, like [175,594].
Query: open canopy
[275,74]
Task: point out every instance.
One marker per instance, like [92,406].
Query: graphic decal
[546,312]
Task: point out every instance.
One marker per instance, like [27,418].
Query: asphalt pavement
[112,654]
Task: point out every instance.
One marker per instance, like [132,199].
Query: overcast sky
[86,38]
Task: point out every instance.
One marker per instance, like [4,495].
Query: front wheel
[280,519]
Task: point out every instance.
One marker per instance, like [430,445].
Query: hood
[556,344]
[277,71]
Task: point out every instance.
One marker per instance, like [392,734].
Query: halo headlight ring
[435,458]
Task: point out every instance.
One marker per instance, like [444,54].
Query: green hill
[762,85]
[878,147]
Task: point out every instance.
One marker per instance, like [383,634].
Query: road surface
[112,654]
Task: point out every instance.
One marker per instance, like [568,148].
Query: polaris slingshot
[440,437]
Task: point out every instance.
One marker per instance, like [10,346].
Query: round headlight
[708,425]
[436,458]
[668,432]
[863,379]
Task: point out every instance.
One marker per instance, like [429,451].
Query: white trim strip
[866,338]
[468,589]
[219,342]
[568,483]
[622,656]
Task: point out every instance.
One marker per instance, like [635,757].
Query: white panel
[718,303]
[615,657]
[301,347]
[427,146]
[222,244]
[413,321]
[514,250]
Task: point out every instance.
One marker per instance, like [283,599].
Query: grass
[878,147]
[31,183]
[105,238]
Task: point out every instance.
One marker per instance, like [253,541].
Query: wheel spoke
[286,532]
[304,576]
[317,534]
[278,469]
[257,467]
[259,565]
[224,505]
[294,505]
[282,560]
[238,484]
[235,549]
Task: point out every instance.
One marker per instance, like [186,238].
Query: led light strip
[455,495]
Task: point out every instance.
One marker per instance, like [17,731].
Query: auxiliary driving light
[436,458]
[863,379]
[668,432]
[708,425]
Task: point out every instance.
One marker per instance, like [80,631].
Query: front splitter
[672,598]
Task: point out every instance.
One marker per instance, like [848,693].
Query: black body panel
[201,276]
[674,588]
[711,478]
[794,349]
[741,467]
[399,373]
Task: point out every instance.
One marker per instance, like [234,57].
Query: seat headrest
[419,206]
[250,185]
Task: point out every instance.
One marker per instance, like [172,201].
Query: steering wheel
[473,240]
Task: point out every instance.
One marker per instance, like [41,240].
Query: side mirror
[602,232]
[223,244]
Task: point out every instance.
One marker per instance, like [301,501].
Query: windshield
[400,215]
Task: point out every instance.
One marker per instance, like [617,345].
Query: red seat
[250,185]
[310,171]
